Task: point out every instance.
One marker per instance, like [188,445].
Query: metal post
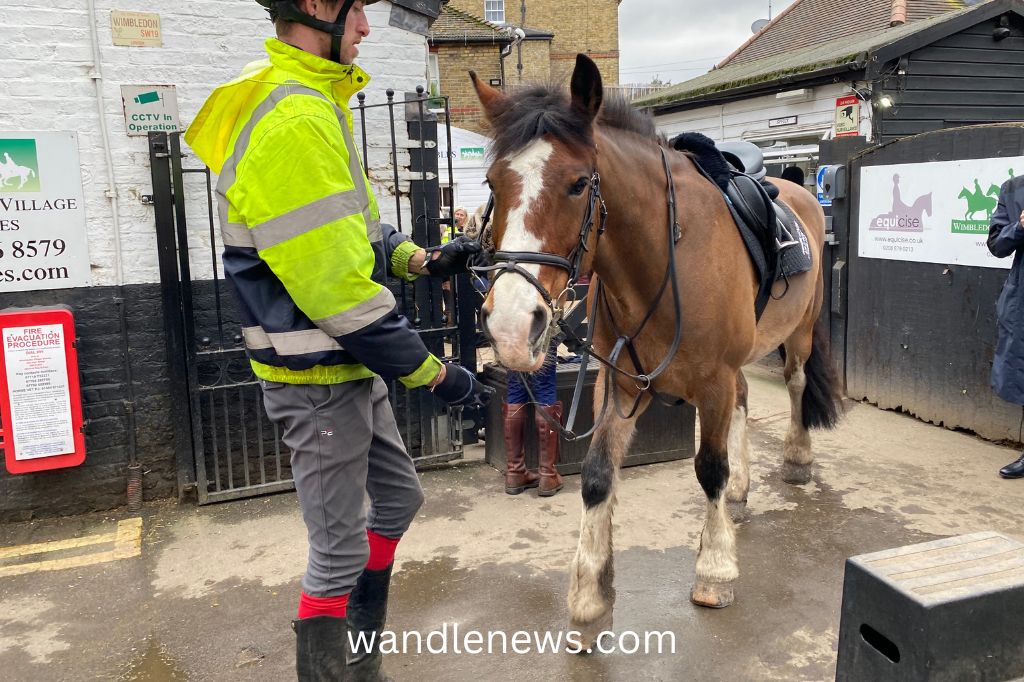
[163,204]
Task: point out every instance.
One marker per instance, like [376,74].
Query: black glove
[451,258]
[460,387]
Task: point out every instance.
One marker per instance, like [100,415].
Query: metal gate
[226,446]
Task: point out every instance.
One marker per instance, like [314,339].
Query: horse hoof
[737,510]
[712,595]
[589,633]
[797,474]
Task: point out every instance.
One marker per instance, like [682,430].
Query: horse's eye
[578,188]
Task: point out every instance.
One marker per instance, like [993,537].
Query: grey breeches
[344,444]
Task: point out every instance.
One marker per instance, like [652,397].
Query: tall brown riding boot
[547,448]
[517,477]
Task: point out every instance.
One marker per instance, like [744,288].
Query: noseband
[512,261]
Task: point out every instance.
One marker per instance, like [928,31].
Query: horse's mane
[617,112]
[545,110]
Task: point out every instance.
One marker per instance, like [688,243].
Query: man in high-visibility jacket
[304,248]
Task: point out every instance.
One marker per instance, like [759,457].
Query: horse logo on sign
[903,217]
[980,205]
[19,166]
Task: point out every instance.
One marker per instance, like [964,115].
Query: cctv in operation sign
[150,108]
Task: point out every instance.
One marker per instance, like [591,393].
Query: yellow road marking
[127,541]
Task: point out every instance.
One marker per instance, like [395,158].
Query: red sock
[382,551]
[310,607]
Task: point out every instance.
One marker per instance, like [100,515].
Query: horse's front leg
[591,582]
[717,568]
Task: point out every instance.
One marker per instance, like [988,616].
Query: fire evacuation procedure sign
[150,108]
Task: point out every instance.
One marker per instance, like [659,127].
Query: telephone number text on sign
[20,252]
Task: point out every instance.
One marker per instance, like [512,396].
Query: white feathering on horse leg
[739,457]
[594,551]
[797,456]
[716,559]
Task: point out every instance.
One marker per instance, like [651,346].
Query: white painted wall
[468,175]
[45,85]
[748,119]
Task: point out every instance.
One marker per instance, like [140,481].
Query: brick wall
[454,63]
[100,482]
[593,31]
[47,86]
[536,63]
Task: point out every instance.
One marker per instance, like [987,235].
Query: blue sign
[819,178]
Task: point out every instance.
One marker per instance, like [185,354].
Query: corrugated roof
[806,23]
[454,25]
[846,53]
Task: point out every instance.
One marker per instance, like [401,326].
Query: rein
[509,261]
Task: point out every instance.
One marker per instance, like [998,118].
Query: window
[494,10]
[434,83]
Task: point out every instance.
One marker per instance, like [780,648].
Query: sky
[677,40]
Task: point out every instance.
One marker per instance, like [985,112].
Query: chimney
[899,13]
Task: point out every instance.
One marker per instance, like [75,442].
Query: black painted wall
[100,483]
[964,79]
[921,336]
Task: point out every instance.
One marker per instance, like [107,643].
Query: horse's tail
[31,173]
[821,406]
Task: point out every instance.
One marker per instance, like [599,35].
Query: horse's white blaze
[716,560]
[739,457]
[797,447]
[513,298]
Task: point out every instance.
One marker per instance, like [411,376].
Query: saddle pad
[796,258]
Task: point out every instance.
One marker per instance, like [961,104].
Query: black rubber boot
[367,611]
[320,649]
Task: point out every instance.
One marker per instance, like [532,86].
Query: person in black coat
[1006,237]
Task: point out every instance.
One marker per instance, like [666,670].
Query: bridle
[505,262]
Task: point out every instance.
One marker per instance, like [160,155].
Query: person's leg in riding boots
[517,477]
[333,431]
[545,389]
[395,497]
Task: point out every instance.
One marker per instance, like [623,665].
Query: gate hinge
[831,239]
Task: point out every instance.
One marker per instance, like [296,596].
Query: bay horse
[557,163]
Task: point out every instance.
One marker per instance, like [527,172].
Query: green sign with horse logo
[19,165]
[979,203]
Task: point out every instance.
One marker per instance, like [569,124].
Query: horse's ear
[490,98]
[586,87]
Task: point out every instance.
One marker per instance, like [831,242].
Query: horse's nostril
[538,326]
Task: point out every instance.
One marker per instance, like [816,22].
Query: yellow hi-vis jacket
[303,242]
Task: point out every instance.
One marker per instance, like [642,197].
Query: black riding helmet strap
[289,11]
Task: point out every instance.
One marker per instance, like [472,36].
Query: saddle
[774,238]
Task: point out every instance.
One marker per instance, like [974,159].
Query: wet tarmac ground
[208,593]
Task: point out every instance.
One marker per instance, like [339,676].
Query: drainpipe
[134,482]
